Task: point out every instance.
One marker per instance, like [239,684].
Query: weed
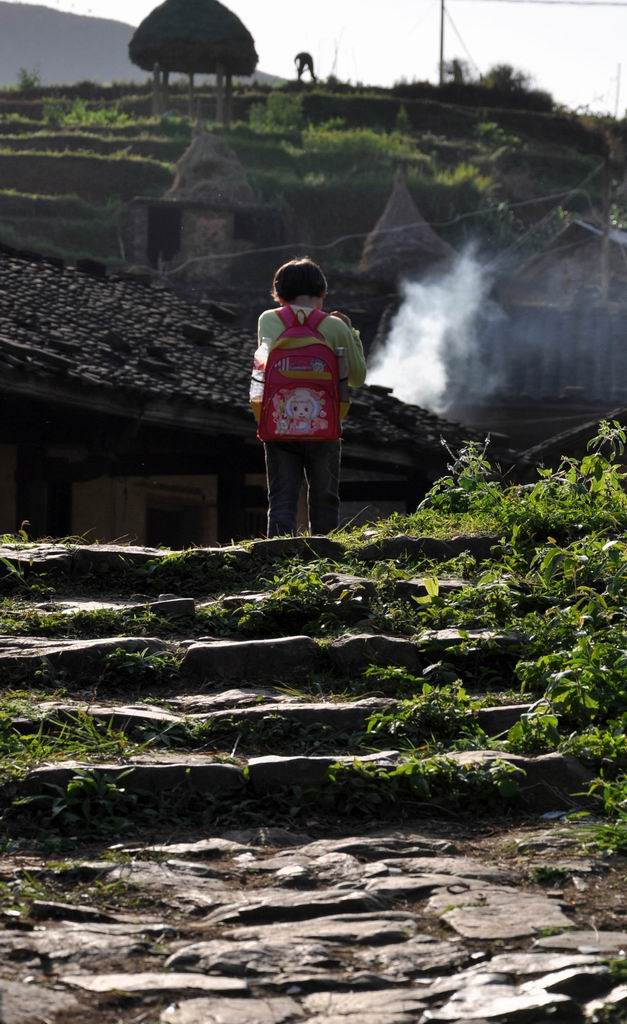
[140,667]
[547,874]
[94,800]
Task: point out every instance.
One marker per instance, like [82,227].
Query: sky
[575,53]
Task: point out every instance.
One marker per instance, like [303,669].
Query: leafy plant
[89,798]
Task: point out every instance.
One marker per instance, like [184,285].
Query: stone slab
[523,964]
[417,587]
[503,1004]
[110,557]
[497,912]
[279,1010]
[502,718]
[441,640]
[262,960]
[610,1006]
[204,849]
[83,947]
[152,983]
[354,653]
[397,1006]
[384,845]
[30,1004]
[579,983]
[297,547]
[377,928]
[283,658]
[587,942]
[71,656]
[432,548]
[173,607]
[119,717]
[273,772]
[339,717]
[550,782]
[274,905]
[35,558]
[357,586]
[146,775]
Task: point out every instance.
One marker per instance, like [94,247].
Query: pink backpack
[301,398]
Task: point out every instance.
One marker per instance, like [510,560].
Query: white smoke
[433,329]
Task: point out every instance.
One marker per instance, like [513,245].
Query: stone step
[74,560]
[286,659]
[74,657]
[166,606]
[423,548]
[546,783]
[102,559]
[290,657]
[300,718]
[364,588]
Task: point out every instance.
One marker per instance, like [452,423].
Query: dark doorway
[174,527]
[164,232]
[59,518]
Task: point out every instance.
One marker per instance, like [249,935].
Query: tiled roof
[130,340]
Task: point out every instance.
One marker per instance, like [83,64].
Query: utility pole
[618,76]
[442,16]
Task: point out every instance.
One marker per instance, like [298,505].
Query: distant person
[304,62]
[304,364]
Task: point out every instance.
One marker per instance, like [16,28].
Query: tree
[196,37]
[505,78]
[28,79]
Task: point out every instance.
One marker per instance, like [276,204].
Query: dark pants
[286,462]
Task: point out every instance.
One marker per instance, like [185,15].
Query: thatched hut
[402,244]
[196,37]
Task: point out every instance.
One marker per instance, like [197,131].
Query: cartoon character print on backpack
[300,412]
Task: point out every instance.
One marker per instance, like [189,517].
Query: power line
[458,34]
[556,3]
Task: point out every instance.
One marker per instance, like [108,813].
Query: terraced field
[322,779]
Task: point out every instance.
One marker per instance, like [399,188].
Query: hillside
[324,779]
[63,47]
[67,48]
[327,158]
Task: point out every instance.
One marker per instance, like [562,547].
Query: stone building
[208,221]
[124,413]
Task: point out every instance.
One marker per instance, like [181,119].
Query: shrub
[28,80]
[281,112]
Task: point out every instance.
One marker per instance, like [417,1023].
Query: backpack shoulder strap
[315,318]
[287,316]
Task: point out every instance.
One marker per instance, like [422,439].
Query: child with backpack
[305,362]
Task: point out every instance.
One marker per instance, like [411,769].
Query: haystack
[402,245]
[210,172]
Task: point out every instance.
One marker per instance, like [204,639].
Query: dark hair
[298,277]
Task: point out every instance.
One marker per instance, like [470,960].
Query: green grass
[89,176]
[152,147]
